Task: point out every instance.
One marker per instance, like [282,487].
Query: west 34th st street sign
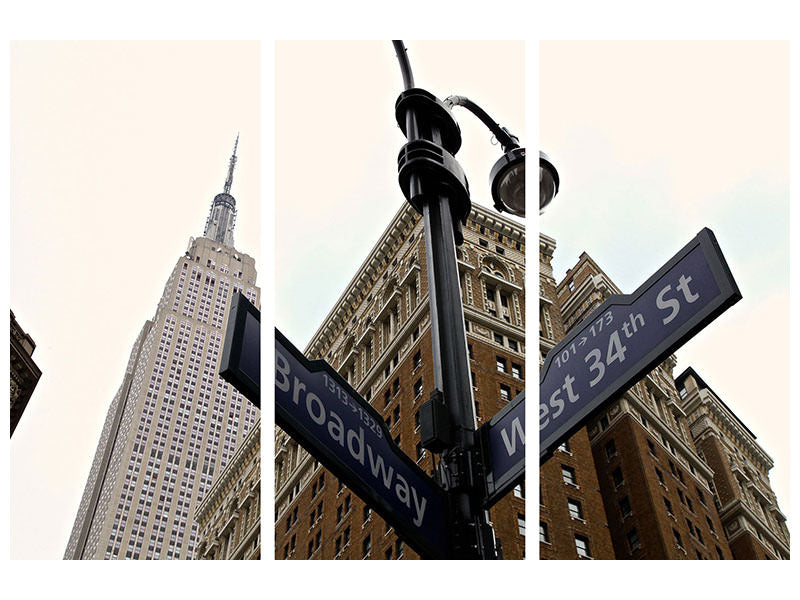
[319,409]
[628,335]
[503,448]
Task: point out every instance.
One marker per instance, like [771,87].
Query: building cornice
[736,508]
[725,419]
[370,270]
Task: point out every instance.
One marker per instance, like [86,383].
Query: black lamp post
[435,185]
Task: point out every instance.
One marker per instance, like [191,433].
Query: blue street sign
[320,410]
[241,351]
[628,335]
[503,442]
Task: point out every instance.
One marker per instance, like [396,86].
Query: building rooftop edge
[689,371]
[404,213]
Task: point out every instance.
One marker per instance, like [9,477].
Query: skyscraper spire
[231,166]
[222,217]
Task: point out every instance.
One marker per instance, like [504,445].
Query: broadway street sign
[628,335]
[503,442]
[319,409]
[241,352]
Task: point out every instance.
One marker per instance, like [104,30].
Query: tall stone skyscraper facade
[173,424]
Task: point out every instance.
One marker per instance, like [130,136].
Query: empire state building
[173,424]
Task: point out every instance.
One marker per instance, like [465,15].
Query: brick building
[378,337]
[25,373]
[753,523]
[572,521]
[657,480]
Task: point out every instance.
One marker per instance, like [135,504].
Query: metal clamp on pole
[434,423]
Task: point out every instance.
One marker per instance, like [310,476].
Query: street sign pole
[629,335]
[435,185]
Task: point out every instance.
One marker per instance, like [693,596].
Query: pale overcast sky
[336,150]
[117,150]
[654,141]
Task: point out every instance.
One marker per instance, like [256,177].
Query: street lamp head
[507,179]
[548,181]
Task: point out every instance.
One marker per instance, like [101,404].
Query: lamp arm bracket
[506,139]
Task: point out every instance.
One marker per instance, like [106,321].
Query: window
[418,388]
[565,447]
[396,414]
[501,364]
[633,540]
[616,476]
[387,397]
[398,548]
[625,507]
[611,449]
[470,352]
[582,546]
[417,359]
[603,423]
[710,525]
[498,339]
[395,386]
[678,539]
[516,370]
[365,546]
[700,496]
[652,447]
[660,476]
[521,523]
[668,504]
[568,473]
[544,536]
[367,514]
[719,552]
[388,553]
[575,509]
[505,393]
[513,345]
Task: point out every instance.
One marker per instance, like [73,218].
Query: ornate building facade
[378,337]
[174,423]
[25,373]
[229,517]
[657,480]
[748,507]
